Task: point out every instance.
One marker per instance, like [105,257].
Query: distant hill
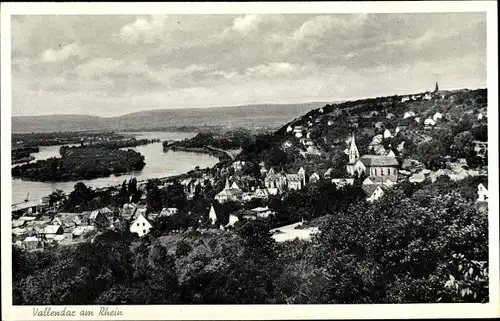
[265,115]
[51,123]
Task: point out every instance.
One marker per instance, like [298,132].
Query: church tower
[353,151]
[437,88]
[353,154]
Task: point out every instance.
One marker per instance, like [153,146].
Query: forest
[79,163]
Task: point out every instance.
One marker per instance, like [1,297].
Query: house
[417,178]
[287,144]
[437,116]
[298,135]
[409,114]
[169,211]
[128,210]
[379,150]
[302,175]
[330,122]
[429,122]
[212,216]
[427,96]
[306,142]
[273,180]
[298,129]
[328,173]
[31,243]
[234,185]
[378,166]
[314,178]
[379,125]
[261,193]
[373,192]
[50,231]
[140,225]
[289,129]
[373,180]
[389,116]
[232,219]
[294,181]
[405,99]
[262,212]
[228,194]
[81,230]
[238,165]
[313,150]
[342,182]
[387,133]
[417,119]
[482,192]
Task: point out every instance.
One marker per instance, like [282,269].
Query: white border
[267,312]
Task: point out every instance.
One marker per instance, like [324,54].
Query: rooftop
[378,160]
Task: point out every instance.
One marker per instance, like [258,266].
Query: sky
[117,64]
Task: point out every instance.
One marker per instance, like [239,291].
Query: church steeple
[353,151]
[437,88]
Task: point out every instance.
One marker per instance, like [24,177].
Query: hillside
[249,116]
[428,127]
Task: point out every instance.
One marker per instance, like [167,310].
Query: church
[377,167]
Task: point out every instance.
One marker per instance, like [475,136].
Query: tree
[56,196]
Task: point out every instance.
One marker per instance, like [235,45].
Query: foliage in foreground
[403,249]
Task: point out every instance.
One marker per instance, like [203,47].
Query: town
[39,224]
[365,156]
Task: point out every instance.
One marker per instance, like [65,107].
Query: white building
[482,193]
[405,99]
[373,192]
[409,114]
[228,194]
[417,119]
[429,122]
[140,226]
[387,133]
[232,219]
[437,116]
[262,212]
[342,182]
[314,178]
[169,211]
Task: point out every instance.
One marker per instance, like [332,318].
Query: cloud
[277,69]
[74,49]
[143,30]
[320,26]
[124,62]
[246,23]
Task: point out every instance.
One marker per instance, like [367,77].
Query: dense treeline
[228,140]
[60,138]
[413,246]
[82,163]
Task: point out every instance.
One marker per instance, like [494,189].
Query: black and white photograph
[242,158]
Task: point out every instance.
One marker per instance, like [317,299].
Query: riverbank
[223,156]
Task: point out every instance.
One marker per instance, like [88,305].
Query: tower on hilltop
[437,88]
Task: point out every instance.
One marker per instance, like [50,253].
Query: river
[158,164]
